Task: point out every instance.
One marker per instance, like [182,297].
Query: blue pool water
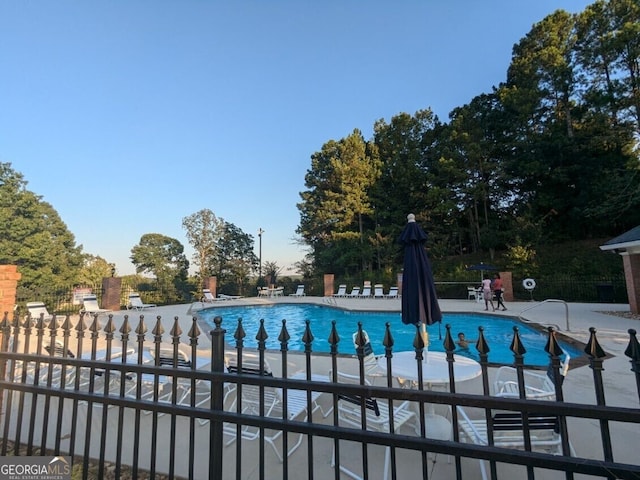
[498,330]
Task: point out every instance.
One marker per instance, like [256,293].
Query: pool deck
[612,333]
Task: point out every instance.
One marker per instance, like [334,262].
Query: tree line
[550,155]
[34,237]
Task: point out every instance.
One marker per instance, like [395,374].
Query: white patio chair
[393,293]
[271,399]
[355,293]
[377,418]
[472,293]
[299,292]
[378,290]
[135,303]
[36,309]
[508,432]
[222,296]
[537,385]
[371,369]
[342,291]
[90,306]
[207,296]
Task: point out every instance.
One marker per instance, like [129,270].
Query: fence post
[217,399]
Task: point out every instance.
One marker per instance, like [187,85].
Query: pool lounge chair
[377,417]
[355,293]
[207,296]
[508,432]
[393,293]
[378,291]
[90,306]
[299,292]
[342,291]
[135,303]
[366,291]
[268,402]
[35,309]
[222,296]
[372,371]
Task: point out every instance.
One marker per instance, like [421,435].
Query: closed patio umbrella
[419,300]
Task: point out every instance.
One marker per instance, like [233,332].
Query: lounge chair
[537,385]
[222,296]
[58,350]
[135,303]
[355,293]
[377,418]
[36,309]
[160,388]
[207,296]
[508,432]
[271,400]
[342,291]
[366,291]
[378,291]
[371,369]
[299,292]
[90,306]
[393,293]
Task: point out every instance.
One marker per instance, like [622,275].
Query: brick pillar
[328,284]
[111,289]
[212,284]
[9,277]
[631,262]
[507,286]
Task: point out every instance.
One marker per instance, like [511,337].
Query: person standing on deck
[497,290]
[487,293]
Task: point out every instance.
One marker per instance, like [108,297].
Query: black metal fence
[120,398]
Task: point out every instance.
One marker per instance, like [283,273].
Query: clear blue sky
[127,116]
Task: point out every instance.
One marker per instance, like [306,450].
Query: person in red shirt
[496,285]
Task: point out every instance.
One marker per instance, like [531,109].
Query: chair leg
[483,470]
[387,461]
[344,469]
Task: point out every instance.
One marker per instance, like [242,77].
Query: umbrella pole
[424,335]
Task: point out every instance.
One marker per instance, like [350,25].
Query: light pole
[260,232]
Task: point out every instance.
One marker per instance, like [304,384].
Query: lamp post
[260,232]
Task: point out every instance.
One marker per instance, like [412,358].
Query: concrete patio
[620,386]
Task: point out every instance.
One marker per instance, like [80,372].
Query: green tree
[204,231]
[95,268]
[336,202]
[160,256]
[570,154]
[33,237]
[234,259]
[607,52]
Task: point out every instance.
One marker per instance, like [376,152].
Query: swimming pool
[498,330]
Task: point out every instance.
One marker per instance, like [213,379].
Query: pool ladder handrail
[548,300]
